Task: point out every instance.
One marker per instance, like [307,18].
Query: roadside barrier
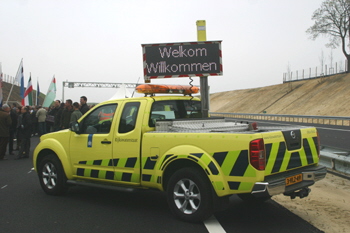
[326,120]
[335,160]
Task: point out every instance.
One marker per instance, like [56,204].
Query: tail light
[257,154]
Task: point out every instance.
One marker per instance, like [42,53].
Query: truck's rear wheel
[189,195]
[51,175]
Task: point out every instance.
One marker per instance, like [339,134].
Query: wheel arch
[191,156]
[51,146]
[175,166]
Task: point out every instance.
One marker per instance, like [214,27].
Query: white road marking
[31,170]
[213,226]
[3,186]
[333,129]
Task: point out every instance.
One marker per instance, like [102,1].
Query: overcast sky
[86,40]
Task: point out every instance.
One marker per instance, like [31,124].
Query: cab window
[174,109]
[99,121]
[129,117]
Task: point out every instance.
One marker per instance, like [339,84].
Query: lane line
[346,130]
[213,226]
[3,186]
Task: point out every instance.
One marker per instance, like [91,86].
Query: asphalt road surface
[24,207]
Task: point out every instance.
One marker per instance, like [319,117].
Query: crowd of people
[20,123]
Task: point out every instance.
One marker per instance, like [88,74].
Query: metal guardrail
[327,120]
[335,161]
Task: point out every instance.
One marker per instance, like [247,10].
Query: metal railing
[316,72]
[327,120]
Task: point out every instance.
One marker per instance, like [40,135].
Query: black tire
[254,200]
[51,175]
[189,195]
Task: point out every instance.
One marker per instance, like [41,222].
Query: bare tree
[332,20]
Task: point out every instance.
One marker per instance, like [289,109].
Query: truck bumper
[277,184]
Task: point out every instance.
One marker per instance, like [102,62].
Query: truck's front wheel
[189,195]
[51,175]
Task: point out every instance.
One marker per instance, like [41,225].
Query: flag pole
[21,63]
[37,94]
[30,75]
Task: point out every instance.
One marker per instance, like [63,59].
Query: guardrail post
[336,67]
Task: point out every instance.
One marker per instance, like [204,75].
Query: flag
[51,94]
[20,78]
[1,96]
[37,92]
[28,98]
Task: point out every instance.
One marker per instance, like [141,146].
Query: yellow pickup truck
[161,142]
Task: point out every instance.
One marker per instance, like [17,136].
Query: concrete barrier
[335,160]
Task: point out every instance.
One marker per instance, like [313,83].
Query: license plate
[294,179]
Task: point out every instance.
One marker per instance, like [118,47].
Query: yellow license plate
[294,179]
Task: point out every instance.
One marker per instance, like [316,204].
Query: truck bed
[216,125]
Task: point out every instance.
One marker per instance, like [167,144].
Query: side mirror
[74,126]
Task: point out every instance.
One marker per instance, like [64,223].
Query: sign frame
[167,53]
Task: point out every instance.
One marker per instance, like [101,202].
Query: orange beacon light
[167,89]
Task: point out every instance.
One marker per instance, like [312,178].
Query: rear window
[174,109]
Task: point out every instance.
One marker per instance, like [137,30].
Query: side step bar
[104,186]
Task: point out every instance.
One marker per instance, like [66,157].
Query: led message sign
[202,58]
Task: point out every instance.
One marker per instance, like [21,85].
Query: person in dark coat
[58,116]
[76,114]
[34,119]
[19,112]
[24,132]
[67,112]
[84,107]
[13,128]
[5,123]
[50,123]
[49,119]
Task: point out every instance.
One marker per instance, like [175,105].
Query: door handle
[106,142]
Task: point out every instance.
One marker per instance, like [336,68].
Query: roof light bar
[166,89]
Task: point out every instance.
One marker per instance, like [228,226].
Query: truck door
[127,143]
[91,150]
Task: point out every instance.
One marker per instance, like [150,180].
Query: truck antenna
[135,87]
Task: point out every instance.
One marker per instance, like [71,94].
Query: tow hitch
[301,193]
